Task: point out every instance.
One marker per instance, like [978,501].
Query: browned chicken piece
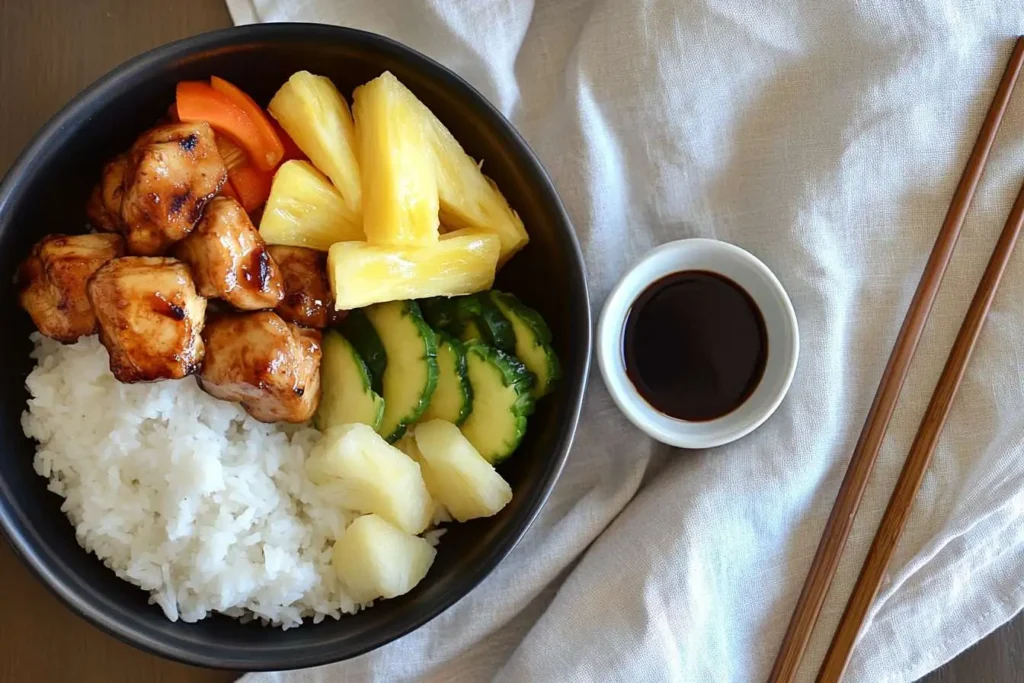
[52,282]
[229,259]
[150,318]
[307,293]
[269,366]
[104,205]
[172,172]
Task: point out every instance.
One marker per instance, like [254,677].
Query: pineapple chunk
[468,198]
[304,210]
[366,474]
[400,204]
[456,474]
[362,274]
[317,118]
[375,559]
[407,444]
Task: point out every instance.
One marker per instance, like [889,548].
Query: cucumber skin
[514,374]
[465,312]
[411,309]
[360,333]
[461,372]
[533,320]
[472,317]
[363,370]
[471,333]
[494,324]
[439,312]
[529,316]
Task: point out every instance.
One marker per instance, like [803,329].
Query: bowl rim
[12,522]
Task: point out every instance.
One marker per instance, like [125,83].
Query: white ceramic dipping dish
[780,323]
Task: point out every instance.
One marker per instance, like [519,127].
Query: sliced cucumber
[501,401]
[471,333]
[472,318]
[532,341]
[493,323]
[440,314]
[347,396]
[453,397]
[463,313]
[360,333]
[457,316]
[410,375]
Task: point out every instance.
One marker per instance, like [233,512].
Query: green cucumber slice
[347,395]
[453,398]
[440,314]
[473,318]
[410,374]
[501,401]
[493,323]
[532,341]
[360,333]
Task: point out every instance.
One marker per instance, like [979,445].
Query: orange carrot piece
[199,102]
[291,150]
[230,153]
[251,185]
[172,112]
[271,141]
[228,190]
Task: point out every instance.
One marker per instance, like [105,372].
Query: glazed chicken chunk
[171,173]
[307,293]
[269,366]
[229,259]
[104,205]
[52,282]
[150,318]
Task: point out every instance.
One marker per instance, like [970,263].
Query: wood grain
[49,51]
[896,513]
[862,461]
[999,658]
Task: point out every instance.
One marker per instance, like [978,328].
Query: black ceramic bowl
[45,191]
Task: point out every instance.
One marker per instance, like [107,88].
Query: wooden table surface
[50,50]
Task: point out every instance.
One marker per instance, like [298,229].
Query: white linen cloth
[827,139]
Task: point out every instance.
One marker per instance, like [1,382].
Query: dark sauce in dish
[695,345]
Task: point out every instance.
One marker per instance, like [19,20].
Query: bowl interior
[46,191]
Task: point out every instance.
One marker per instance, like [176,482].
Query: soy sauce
[695,345]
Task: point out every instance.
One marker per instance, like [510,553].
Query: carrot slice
[199,102]
[251,185]
[227,190]
[291,150]
[272,145]
[230,153]
[172,112]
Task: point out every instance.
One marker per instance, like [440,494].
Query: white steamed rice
[182,494]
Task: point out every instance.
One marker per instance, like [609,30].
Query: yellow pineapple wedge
[462,262]
[375,559]
[468,198]
[317,118]
[455,473]
[400,200]
[305,210]
[361,471]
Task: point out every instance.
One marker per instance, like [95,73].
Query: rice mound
[182,494]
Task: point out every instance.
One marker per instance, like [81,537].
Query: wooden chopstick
[898,510]
[840,521]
